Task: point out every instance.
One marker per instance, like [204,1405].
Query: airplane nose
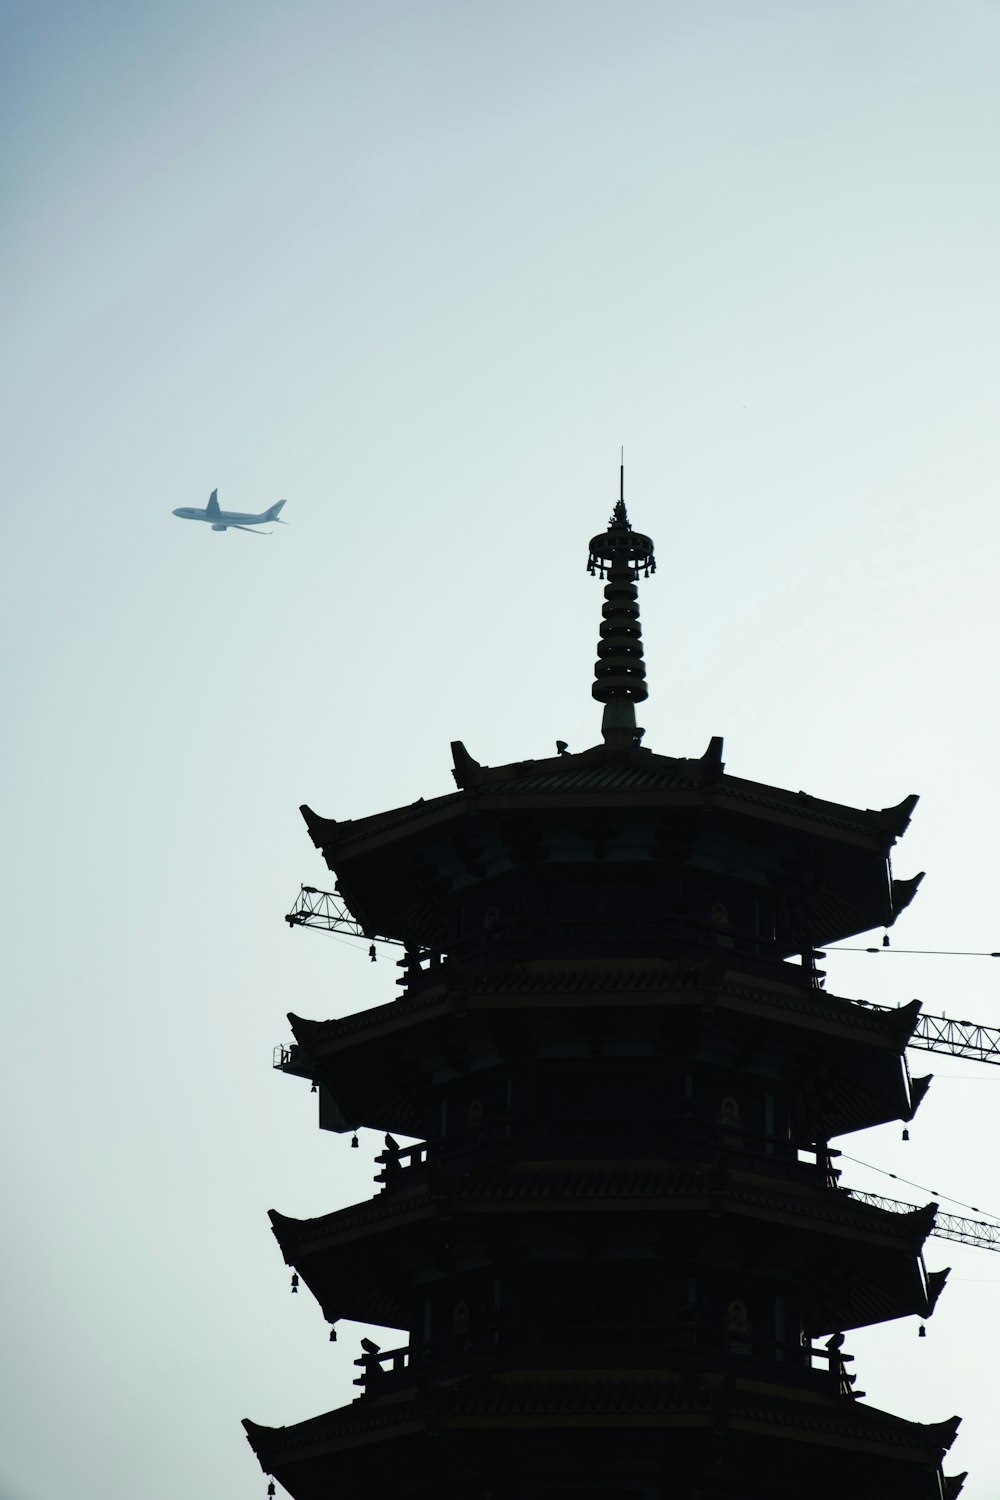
[177,511]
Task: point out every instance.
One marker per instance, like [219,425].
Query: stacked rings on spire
[622,556]
[620,671]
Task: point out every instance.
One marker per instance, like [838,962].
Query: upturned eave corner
[936,1282]
[903,892]
[315,825]
[466,771]
[897,819]
[903,1020]
[918,1093]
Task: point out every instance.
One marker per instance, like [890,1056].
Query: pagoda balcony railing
[675,1138]
[801,1364]
[517,940]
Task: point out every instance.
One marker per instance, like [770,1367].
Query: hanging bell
[315,1087]
[333,1335]
[906,1134]
[270,1488]
[354,1142]
[885,940]
[295,1281]
[921,1332]
[371,953]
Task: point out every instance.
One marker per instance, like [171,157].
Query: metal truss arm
[979,1232]
[327,912]
[957,1038]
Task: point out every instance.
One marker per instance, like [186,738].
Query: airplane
[229,520]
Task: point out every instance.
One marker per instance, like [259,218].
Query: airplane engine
[220,528]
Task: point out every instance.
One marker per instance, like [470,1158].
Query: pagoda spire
[622,555]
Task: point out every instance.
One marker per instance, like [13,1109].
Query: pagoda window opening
[727,1102]
[720,1110]
[475,1111]
[463,1318]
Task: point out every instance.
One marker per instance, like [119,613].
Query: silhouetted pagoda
[618,1262]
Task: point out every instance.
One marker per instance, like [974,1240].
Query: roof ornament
[623,556]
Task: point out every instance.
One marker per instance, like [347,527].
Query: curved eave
[903,892]
[358,1059]
[345,1257]
[352,838]
[868,1300]
[507,1193]
[642,772]
[848,1103]
[335,837]
[595,779]
[664,1407]
[534,989]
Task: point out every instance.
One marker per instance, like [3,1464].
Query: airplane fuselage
[221,517]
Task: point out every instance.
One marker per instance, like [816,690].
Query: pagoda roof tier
[845,1058]
[397,869]
[359,1261]
[532,987]
[680,1420]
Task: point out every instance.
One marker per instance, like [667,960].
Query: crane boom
[957,1038]
[979,1232]
[328,913]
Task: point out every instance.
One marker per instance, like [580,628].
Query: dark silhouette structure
[618,1265]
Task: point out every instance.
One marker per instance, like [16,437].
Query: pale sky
[421,268]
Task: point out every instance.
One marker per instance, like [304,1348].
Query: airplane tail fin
[212,508]
[272,514]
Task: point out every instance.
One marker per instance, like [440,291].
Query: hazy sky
[421,268]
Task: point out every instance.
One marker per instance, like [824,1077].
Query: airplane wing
[212,508]
[230,526]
